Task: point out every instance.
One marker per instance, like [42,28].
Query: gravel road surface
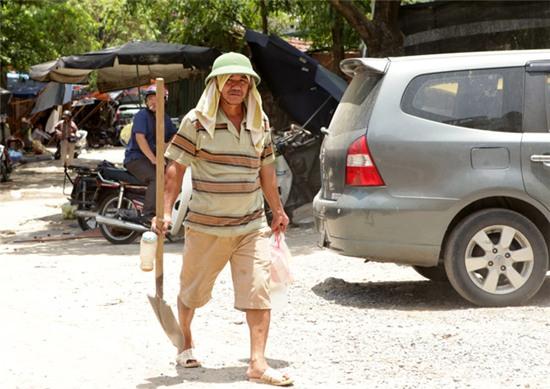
[75,315]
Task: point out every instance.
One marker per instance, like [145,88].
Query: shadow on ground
[405,295]
[223,375]
[85,247]
[218,376]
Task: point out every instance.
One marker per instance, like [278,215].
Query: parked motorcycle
[112,199]
[297,167]
[85,195]
[119,211]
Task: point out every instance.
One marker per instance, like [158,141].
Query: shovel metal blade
[167,321]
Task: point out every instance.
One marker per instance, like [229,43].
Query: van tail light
[360,168]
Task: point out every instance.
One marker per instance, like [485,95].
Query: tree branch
[364,27]
[382,34]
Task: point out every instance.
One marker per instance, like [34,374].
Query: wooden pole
[159,281]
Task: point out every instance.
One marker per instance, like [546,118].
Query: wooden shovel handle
[159,271]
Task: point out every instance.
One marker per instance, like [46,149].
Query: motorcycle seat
[120,175]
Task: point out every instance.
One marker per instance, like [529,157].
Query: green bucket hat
[232,63]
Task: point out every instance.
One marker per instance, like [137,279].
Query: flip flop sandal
[186,359]
[273,377]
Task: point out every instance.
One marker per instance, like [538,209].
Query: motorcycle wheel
[86,223]
[108,208]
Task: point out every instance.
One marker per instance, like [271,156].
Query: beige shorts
[204,257]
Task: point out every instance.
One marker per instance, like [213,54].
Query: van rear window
[356,105]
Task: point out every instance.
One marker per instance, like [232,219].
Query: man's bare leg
[258,324]
[186,317]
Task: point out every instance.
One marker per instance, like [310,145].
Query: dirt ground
[75,315]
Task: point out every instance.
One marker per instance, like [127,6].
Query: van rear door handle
[540,158]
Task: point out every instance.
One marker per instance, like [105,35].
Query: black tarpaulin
[306,90]
[132,64]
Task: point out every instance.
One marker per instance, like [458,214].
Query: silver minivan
[442,162]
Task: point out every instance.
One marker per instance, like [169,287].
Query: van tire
[503,272]
[432,273]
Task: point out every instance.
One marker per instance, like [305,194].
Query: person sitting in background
[37,136]
[24,132]
[140,155]
[15,149]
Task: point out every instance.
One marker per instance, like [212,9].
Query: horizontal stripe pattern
[185,144]
[230,159]
[267,151]
[223,221]
[227,187]
[225,173]
[218,126]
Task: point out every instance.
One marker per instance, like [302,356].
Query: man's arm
[268,181]
[173,178]
[144,147]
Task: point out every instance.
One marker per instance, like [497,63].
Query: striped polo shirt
[227,198]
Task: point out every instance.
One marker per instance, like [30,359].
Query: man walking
[226,140]
[65,130]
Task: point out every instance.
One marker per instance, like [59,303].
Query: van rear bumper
[363,224]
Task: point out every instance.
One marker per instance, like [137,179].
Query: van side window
[537,102]
[488,99]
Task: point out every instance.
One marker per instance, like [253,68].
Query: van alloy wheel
[496,257]
[499,259]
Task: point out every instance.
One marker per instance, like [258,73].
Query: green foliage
[36,31]
[214,23]
[315,19]
[149,19]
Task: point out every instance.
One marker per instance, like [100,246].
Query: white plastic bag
[278,294]
[281,276]
[280,260]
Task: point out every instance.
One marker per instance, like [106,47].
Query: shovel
[162,310]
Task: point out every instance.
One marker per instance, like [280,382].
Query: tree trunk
[337,43]
[264,12]
[381,35]
[386,18]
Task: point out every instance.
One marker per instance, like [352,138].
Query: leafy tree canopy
[314,20]
[35,31]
